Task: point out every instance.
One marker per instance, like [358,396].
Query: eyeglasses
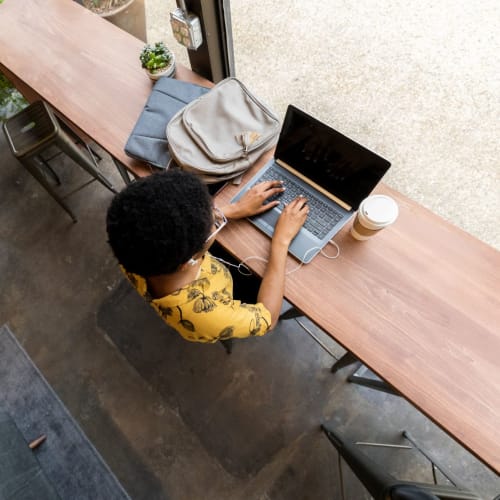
[220,221]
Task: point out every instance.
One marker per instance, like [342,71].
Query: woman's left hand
[254,200]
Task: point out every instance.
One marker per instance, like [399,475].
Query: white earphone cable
[245,271]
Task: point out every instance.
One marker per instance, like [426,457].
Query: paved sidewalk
[418,83]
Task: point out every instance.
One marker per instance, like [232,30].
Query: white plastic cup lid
[379,210]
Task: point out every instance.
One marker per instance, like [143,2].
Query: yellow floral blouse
[204,310]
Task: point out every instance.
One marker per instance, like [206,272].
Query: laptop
[332,171]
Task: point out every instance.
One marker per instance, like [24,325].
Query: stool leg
[49,170]
[123,172]
[32,166]
[78,140]
[96,157]
[68,146]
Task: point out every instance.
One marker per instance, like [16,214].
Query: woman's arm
[292,218]
[272,288]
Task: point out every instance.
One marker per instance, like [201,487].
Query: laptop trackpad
[269,218]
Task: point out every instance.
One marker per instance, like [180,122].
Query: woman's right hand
[291,220]
[272,287]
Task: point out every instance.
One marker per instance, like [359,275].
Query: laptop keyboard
[322,217]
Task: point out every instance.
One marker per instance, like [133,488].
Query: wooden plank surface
[82,65]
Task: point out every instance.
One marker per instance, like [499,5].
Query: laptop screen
[341,166]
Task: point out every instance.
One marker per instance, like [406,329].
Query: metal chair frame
[382,485]
[32,131]
[357,377]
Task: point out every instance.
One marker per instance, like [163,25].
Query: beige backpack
[221,134]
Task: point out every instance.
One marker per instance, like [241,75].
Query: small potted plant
[11,101]
[157,60]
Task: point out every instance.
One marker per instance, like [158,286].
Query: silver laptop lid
[339,165]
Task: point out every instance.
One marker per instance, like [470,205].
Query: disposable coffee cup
[374,213]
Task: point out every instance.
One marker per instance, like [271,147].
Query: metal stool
[32,131]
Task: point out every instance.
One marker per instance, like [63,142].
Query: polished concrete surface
[176,420]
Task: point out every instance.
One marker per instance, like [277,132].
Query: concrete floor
[176,420]
[179,421]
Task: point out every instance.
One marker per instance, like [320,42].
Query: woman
[160,229]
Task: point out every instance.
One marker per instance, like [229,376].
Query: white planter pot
[168,71]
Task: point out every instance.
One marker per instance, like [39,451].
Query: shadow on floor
[243,407]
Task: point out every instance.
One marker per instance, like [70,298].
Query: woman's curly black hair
[159,222]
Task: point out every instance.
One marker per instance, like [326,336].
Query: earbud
[192,262]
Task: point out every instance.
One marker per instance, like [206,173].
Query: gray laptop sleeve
[148,141]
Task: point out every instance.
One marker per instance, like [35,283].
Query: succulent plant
[155,57]
[11,101]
